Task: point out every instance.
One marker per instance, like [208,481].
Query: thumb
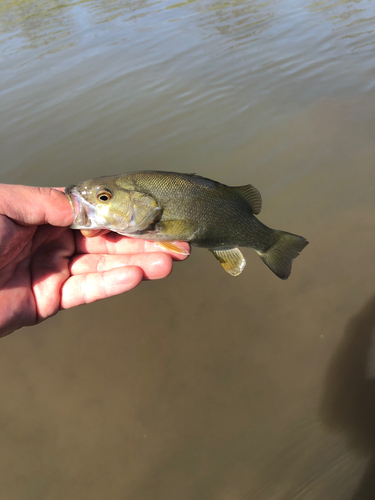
[35,205]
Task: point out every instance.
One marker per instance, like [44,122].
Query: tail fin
[279,257]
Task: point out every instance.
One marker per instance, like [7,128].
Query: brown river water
[200,386]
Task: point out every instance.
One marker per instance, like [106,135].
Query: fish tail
[280,255]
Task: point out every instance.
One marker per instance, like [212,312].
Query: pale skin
[46,267]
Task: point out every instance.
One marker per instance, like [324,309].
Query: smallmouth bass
[168,207]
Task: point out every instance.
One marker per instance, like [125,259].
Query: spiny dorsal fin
[252,196]
[231,259]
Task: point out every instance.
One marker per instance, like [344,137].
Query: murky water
[200,386]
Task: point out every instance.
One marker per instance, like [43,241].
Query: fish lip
[80,215]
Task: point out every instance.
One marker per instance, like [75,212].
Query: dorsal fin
[252,196]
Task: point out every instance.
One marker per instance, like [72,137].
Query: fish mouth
[80,207]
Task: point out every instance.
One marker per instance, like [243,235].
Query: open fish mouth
[83,211]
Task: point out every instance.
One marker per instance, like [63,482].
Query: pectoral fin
[231,259]
[176,230]
[172,246]
[90,233]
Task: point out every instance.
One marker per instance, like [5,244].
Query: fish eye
[104,195]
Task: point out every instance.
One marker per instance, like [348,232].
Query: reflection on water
[352,18]
[37,22]
[41,22]
[199,386]
[233,68]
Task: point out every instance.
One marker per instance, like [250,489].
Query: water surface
[200,386]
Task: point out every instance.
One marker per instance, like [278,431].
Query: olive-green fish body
[168,206]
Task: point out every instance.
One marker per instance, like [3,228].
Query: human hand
[45,266]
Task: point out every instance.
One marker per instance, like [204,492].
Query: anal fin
[231,259]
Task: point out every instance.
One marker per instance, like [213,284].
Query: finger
[86,288]
[35,205]
[113,243]
[154,265]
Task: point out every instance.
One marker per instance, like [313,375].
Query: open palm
[45,266]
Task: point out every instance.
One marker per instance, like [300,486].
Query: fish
[168,207]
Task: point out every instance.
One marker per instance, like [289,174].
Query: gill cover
[145,210]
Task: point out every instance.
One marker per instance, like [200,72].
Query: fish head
[103,204]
